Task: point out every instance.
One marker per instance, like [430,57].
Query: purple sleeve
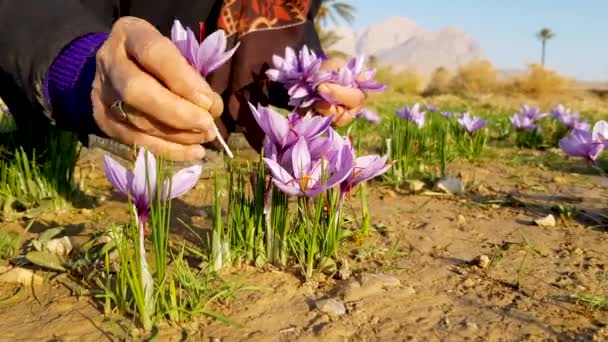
[68,83]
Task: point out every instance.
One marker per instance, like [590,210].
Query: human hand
[169,106]
[349,100]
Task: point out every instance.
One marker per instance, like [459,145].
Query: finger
[343,118]
[157,55]
[325,108]
[349,97]
[151,98]
[157,129]
[127,134]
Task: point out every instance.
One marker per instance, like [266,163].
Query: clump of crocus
[205,57]
[471,123]
[569,118]
[524,123]
[447,115]
[300,73]
[431,108]
[364,169]
[140,185]
[533,113]
[413,114]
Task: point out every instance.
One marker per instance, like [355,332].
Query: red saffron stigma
[201,30]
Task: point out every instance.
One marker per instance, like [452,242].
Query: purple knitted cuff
[67,85]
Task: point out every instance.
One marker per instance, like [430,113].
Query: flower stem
[147,282]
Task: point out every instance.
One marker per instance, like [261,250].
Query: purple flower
[581,144]
[413,114]
[600,132]
[471,123]
[569,118]
[140,186]
[369,116]
[432,108]
[309,177]
[447,115]
[283,132]
[207,56]
[354,75]
[533,113]
[300,74]
[523,122]
[364,169]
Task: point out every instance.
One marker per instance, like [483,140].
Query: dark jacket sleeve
[32,33]
[263,30]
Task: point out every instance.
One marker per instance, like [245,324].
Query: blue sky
[505,29]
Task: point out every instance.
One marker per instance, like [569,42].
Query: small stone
[385,280]
[61,246]
[471,325]
[482,190]
[578,251]
[408,291]
[19,275]
[319,277]
[482,261]
[390,193]
[101,199]
[344,272]
[560,180]
[331,306]
[85,211]
[416,185]
[495,206]
[547,221]
[460,219]
[451,185]
[468,282]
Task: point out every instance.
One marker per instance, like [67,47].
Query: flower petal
[144,173]
[117,174]
[182,181]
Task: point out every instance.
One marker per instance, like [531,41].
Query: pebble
[416,185]
[560,180]
[578,251]
[61,246]
[468,282]
[451,185]
[547,221]
[460,219]
[331,306]
[368,285]
[483,261]
[19,275]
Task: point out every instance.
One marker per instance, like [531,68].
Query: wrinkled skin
[171,108]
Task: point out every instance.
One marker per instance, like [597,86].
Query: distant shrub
[477,77]
[439,83]
[400,81]
[539,82]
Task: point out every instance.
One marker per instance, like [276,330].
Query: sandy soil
[425,242]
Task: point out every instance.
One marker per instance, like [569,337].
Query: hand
[169,106]
[350,100]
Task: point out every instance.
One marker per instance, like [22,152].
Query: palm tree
[544,35]
[334,10]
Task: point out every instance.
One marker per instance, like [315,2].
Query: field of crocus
[424,219]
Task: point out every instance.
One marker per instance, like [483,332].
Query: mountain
[402,43]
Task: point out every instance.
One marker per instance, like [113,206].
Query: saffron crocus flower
[432,108]
[369,116]
[600,132]
[523,122]
[581,144]
[283,132]
[140,186]
[569,118]
[207,56]
[364,169]
[300,74]
[533,113]
[413,114]
[447,115]
[310,177]
[471,123]
[354,75]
